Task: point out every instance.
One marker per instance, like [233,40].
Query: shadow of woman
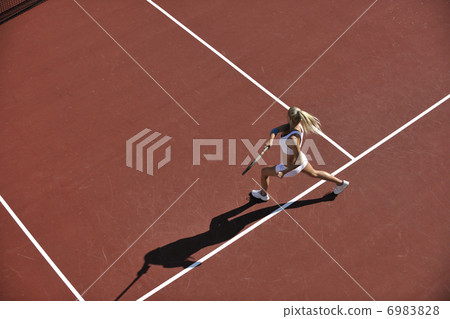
[221,229]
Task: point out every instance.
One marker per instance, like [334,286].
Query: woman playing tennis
[294,161]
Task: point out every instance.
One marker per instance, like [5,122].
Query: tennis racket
[256,159]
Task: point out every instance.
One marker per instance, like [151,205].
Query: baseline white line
[136,62]
[226,244]
[309,190]
[431,108]
[270,106]
[220,55]
[40,249]
[176,200]
[320,246]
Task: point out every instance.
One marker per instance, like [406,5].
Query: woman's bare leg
[309,170]
[265,173]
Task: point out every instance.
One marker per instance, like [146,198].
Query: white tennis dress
[303,161]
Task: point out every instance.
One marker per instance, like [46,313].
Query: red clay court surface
[80,78]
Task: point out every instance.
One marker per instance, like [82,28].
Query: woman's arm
[274,132]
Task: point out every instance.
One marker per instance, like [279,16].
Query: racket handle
[256,159]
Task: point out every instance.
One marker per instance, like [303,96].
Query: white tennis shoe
[340,188]
[257,194]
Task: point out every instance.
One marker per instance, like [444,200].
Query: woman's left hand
[269,143]
[280,174]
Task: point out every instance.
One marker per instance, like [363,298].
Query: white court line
[136,62]
[173,203]
[335,144]
[309,190]
[220,55]
[273,103]
[320,246]
[39,248]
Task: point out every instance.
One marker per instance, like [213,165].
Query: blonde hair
[310,123]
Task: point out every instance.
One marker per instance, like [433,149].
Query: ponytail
[310,123]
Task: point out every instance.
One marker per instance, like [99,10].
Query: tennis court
[82,79]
